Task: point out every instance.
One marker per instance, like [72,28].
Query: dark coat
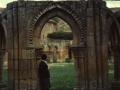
[44,75]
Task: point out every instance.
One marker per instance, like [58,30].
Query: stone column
[80,67]
[116,53]
[91,50]
[2,53]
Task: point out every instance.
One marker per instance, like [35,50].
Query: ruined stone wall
[88,23]
[49,27]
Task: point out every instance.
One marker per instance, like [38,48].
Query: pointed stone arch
[57,9]
[115,33]
[88,23]
[2,53]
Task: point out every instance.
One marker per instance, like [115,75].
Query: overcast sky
[3,3]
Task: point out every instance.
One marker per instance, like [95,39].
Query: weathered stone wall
[49,27]
[22,62]
[90,41]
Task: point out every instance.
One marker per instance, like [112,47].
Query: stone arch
[2,37]
[2,54]
[114,33]
[113,28]
[61,10]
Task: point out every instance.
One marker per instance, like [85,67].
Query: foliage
[68,60]
[61,35]
[55,19]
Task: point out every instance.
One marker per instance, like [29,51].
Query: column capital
[78,51]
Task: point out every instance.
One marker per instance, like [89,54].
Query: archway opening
[73,25]
[113,43]
[4,57]
[56,40]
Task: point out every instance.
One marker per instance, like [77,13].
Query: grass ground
[111,72]
[62,75]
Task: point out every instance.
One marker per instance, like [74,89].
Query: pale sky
[3,3]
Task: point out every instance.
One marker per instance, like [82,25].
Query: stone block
[10,64]
[22,42]
[28,12]
[10,33]
[29,73]
[10,83]
[21,4]
[10,54]
[37,42]
[29,84]
[25,74]
[16,75]
[9,13]
[90,12]
[30,54]
[30,4]
[33,84]
[16,64]
[15,3]
[9,5]
[16,54]
[15,24]
[24,54]
[28,65]
[32,64]
[10,24]
[21,74]
[22,32]
[23,85]
[16,84]
[9,43]
[33,72]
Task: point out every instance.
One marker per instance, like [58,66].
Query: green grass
[5,74]
[62,75]
[111,72]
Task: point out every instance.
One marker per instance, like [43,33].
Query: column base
[2,85]
[116,85]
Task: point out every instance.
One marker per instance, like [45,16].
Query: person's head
[43,56]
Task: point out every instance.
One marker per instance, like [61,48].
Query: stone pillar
[91,51]
[80,67]
[2,53]
[104,45]
[97,46]
[116,53]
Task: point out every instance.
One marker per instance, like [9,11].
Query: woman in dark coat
[44,74]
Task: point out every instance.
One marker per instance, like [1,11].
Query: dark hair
[44,56]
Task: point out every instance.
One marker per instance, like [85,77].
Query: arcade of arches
[94,26]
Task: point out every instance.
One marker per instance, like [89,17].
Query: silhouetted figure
[44,74]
